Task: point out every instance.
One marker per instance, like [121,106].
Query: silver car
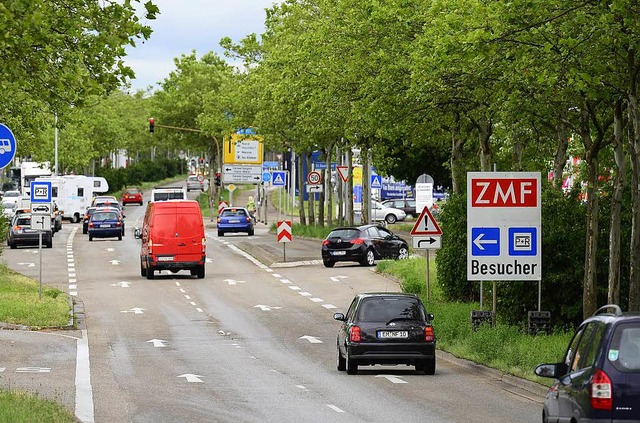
[380,212]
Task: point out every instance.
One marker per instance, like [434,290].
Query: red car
[132,195]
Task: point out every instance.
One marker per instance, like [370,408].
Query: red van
[172,238]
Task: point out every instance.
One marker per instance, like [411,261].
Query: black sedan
[386,328]
[364,244]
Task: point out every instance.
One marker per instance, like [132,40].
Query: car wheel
[220,233]
[351,365]
[328,263]
[49,244]
[201,272]
[251,232]
[75,218]
[150,273]
[429,366]
[369,259]
[120,237]
[403,252]
[13,246]
[390,218]
[143,271]
[90,237]
[341,363]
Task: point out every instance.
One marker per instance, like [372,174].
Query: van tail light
[204,245]
[150,246]
[357,241]
[429,335]
[601,391]
[354,334]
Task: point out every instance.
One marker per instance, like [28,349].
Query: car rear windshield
[163,196]
[131,191]
[231,213]
[23,222]
[624,351]
[345,233]
[104,216]
[384,309]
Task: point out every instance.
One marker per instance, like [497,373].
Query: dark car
[364,244]
[599,378]
[132,196]
[21,233]
[105,223]
[406,205]
[235,219]
[386,328]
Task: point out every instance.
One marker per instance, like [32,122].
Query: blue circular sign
[266,176]
[7,146]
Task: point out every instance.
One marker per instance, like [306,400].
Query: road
[249,343]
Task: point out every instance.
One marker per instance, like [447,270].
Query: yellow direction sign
[243,149]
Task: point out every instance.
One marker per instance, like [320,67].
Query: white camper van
[73,193]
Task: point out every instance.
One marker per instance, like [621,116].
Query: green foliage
[143,171]
[20,406]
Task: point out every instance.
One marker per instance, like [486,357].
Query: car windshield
[347,233]
[233,212]
[385,309]
[104,216]
[12,194]
[9,205]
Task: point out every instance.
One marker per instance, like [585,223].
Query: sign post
[426,233]
[283,234]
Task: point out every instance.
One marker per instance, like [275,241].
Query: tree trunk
[366,192]
[589,294]
[300,183]
[634,153]
[613,293]
[311,197]
[486,156]
[341,188]
[560,158]
[458,176]
[349,194]
[329,187]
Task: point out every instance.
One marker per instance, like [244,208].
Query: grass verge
[19,406]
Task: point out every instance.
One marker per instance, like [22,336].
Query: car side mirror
[430,316]
[547,370]
[339,316]
[137,233]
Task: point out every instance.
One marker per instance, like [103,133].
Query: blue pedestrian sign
[40,192]
[7,146]
[279,178]
[376,182]
[485,241]
[266,177]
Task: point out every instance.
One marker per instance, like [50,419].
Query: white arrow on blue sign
[7,146]
[376,181]
[279,179]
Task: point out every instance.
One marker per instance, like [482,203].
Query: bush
[142,171]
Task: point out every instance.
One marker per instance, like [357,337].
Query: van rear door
[177,231]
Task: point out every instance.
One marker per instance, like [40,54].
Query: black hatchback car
[386,328]
[599,377]
[364,244]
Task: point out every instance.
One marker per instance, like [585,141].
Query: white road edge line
[334,408]
[84,392]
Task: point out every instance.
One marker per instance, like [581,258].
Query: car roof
[387,294]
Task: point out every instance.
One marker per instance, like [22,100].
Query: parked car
[105,223]
[386,328]
[235,219]
[197,182]
[388,214]
[132,196]
[21,233]
[407,205]
[173,238]
[363,244]
[101,199]
[9,208]
[12,195]
[598,379]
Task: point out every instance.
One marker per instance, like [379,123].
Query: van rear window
[624,352]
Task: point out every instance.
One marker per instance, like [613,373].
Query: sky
[186,25]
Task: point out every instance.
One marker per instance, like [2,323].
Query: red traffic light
[151,124]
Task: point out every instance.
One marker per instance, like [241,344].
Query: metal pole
[40,254]
[539,295]
[284,252]
[495,285]
[481,308]
[428,281]
[55,167]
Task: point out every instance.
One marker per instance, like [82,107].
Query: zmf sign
[503,226]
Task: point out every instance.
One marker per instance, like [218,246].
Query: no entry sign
[503,226]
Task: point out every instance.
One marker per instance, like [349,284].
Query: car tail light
[325,242]
[601,391]
[354,334]
[118,223]
[17,228]
[357,241]
[219,220]
[91,225]
[248,219]
[429,335]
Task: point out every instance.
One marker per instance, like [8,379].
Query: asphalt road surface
[249,343]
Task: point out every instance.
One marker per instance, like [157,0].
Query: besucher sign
[503,226]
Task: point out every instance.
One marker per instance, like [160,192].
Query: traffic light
[151,125]
[217,178]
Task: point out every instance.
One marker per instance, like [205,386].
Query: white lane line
[73,286]
[199,310]
[177,283]
[187,297]
[334,408]
[192,303]
[275,275]
[33,370]
[182,290]
[317,300]
[285,281]
[295,288]
[305,294]
[329,306]
[73,293]
[84,391]
[72,280]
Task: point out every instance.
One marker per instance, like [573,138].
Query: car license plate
[234,221]
[165,258]
[386,334]
[338,253]
[105,226]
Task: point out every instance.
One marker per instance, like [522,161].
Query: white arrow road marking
[337,278]
[136,310]
[33,370]
[392,379]
[208,260]
[158,343]
[110,249]
[192,378]
[115,262]
[479,241]
[2,369]
[311,339]
[233,281]
[266,307]
[26,264]
[123,284]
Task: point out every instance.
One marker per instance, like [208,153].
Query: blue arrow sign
[266,177]
[485,241]
[279,179]
[376,182]
[7,146]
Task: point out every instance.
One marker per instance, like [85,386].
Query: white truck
[73,193]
